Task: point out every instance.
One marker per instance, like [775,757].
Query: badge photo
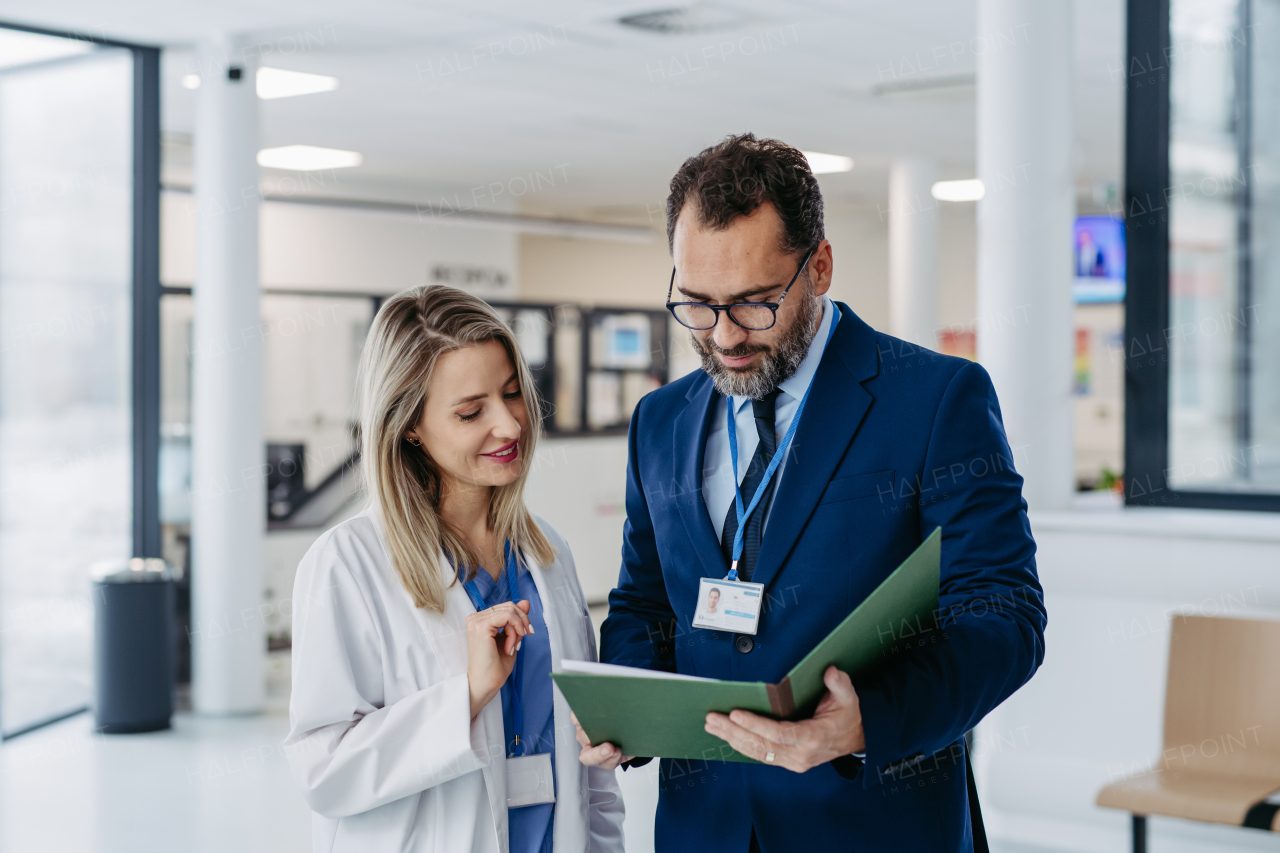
[727,605]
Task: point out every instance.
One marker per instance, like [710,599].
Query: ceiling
[444,98]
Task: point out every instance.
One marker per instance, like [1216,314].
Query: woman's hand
[606,756]
[491,650]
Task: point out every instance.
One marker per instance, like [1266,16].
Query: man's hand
[834,730]
[606,756]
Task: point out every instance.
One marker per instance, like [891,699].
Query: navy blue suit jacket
[895,441]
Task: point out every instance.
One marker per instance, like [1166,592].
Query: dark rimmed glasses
[752,316]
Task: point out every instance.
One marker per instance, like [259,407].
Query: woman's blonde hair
[409,334]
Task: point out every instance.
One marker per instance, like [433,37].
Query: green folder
[652,715]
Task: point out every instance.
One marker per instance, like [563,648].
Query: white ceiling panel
[447,97]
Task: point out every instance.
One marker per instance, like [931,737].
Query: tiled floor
[207,784]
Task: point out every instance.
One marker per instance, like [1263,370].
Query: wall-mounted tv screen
[1099,259]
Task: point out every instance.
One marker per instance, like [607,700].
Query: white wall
[594,272]
[1093,713]
[860,262]
[860,248]
[957,265]
[327,248]
[554,269]
[579,486]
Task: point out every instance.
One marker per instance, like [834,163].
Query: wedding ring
[768,758]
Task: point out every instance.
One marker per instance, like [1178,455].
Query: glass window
[1263,367]
[1224,255]
[66,195]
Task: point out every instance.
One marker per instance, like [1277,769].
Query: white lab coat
[381,736]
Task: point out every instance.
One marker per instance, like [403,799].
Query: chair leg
[1139,833]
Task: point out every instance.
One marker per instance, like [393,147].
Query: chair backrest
[1222,700]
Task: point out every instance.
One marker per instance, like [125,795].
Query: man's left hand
[834,730]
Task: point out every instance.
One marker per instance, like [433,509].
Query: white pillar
[1025,309]
[913,251]
[228,488]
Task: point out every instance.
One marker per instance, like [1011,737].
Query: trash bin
[133,645]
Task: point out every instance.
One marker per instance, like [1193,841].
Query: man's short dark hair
[740,173]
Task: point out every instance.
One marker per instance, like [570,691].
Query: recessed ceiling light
[307,158]
[821,164]
[278,83]
[969,190]
[191,81]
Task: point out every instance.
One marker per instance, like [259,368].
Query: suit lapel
[686,490]
[837,404]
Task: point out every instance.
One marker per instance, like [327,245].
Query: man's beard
[778,366]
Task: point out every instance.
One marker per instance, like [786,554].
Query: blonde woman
[425,628]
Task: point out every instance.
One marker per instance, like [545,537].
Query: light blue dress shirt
[717,471]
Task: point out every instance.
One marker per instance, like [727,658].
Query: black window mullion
[1243,109]
[146,302]
[1146,216]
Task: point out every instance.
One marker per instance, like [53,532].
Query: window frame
[1146,218]
[144,305]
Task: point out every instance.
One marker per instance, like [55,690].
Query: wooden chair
[1221,758]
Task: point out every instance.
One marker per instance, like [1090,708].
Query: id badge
[726,605]
[529,780]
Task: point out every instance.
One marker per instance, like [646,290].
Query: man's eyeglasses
[753,316]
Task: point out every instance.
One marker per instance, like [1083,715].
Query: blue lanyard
[517,706]
[778,456]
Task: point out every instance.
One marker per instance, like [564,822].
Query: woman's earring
[415,442]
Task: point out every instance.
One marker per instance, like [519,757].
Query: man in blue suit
[893,441]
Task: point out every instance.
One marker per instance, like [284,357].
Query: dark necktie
[764,412]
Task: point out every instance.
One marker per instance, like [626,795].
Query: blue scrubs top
[529,827]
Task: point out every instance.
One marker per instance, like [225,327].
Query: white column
[1025,310]
[228,455]
[913,251]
